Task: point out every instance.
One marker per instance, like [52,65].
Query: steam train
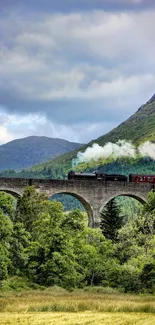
[135,178]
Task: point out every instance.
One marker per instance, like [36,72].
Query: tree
[111,221]
[73,221]
[18,252]
[137,239]
[94,254]
[147,277]
[29,207]
[4,262]
[150,204]
[7,204]
[6,229]
[51,255]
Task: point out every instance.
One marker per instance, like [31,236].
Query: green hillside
[139,128]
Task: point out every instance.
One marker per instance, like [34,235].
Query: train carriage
[133,178]
[136,178]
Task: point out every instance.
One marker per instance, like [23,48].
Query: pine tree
[111,221]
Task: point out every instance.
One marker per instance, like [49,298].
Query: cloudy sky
[73,69]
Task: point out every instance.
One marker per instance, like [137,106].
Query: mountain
[22,153]
[139,128]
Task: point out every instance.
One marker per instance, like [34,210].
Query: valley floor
[59,307]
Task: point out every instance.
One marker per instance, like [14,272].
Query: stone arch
[16,194]
[137,197]
[83,201]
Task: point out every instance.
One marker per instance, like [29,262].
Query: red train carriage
[142,178]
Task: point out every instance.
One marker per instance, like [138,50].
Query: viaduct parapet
[93,194]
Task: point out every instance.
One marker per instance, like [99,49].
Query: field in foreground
[85,318]
[59,307]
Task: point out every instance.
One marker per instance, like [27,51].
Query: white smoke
[147,149]
[120,149]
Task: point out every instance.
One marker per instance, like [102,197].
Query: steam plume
[120,149]
[147,149]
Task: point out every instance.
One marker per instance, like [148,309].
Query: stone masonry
[93,194]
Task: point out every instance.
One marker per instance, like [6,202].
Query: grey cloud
[79,67]
[67,5]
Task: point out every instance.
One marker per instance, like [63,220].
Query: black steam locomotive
[96,176]
[135,178]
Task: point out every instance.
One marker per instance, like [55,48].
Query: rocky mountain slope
[26,152]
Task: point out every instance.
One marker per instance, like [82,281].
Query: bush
[147,277]
[130,279]
[18,284]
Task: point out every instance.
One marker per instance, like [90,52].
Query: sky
[73,69]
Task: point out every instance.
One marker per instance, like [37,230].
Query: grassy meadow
[56,306]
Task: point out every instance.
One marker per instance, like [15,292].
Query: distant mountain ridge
[26,152]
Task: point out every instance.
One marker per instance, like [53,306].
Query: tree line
[42,243]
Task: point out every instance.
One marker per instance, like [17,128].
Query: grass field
[59,307]
[84,318]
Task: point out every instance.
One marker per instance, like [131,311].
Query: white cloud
[32,124]
[5,135]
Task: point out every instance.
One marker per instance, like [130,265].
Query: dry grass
[86,318]
[57,306]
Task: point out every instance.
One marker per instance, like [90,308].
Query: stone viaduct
[93,194]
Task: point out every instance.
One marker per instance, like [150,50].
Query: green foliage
[74,221]
[147,277]
[4,262]
[111,220]
[18,254]
[68,201]
[7,204]
[6,228]
[47,247]
[7,209]
[130,207]
[61,270]
[29,207]
[129,278]
[150,205]
[51,247]
[19,284]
